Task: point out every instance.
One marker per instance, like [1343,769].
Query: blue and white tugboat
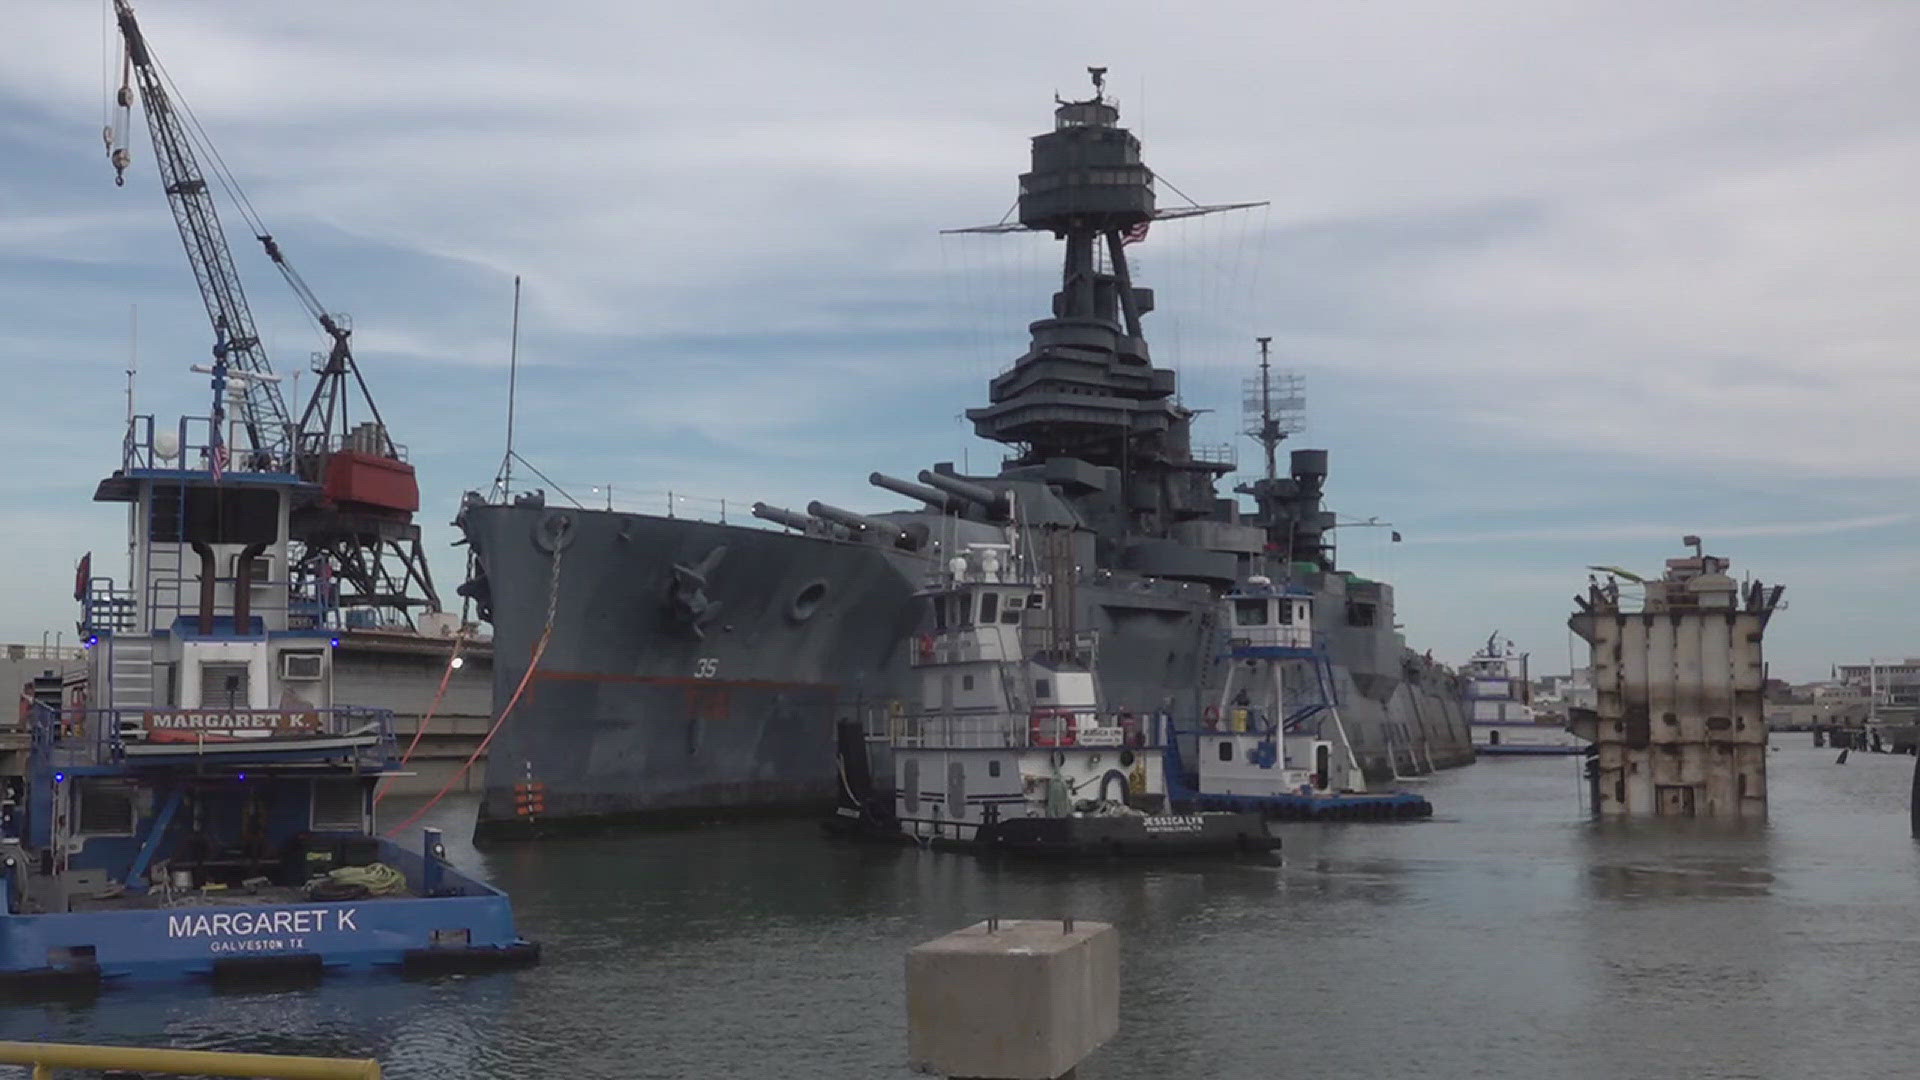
[1011,750]
[202,806]
[1500,713]
[1275,743]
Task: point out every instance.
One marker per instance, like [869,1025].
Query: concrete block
[1027,1000]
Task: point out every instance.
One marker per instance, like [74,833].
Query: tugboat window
[228,515]
[1250,612]
[106,807]
[1226,750]
[989,607]
[338,806]
[939,613]
[1042,689]
[993,767]
[966,682]
[1359,614]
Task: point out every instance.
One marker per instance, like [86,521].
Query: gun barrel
[939,500]
[859,523]
[778,516]
[992,501]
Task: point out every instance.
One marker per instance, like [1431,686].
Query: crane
[264,412]
[358,546]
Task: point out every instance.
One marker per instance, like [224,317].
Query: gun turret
[939,500]
[993,502]
[791,520]
[860,523]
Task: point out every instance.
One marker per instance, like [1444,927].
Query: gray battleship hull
[653,704]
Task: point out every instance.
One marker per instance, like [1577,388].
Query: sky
[1566,281]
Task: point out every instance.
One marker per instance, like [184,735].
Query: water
[1508,937]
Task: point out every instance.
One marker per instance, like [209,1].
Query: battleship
[652,669]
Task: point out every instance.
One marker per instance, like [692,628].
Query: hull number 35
[706,667]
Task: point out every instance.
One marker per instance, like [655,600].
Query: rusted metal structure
[1680,729]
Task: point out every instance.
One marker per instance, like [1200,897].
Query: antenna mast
[1269,421]
[503,479]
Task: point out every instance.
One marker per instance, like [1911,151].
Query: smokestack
[207,583]
[243,588]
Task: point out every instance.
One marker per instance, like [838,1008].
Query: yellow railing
[46,1057]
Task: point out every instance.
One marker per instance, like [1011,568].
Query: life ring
[1050,727]
[1212,718]
[926,647]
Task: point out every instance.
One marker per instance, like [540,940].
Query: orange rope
[532,664]
[421,728]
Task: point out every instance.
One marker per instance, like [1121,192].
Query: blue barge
[199,805]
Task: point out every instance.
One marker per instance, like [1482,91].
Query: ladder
[166,543]
[130,689]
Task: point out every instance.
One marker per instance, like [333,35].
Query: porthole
[807,600]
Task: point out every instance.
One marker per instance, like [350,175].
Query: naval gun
[937,499]
[803,522]
[995,503]
[862,525]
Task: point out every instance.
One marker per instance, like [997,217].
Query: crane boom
[356,545]
[268,423]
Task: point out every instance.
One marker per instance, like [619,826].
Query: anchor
[687,595]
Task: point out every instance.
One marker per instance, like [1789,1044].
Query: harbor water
[1508,936]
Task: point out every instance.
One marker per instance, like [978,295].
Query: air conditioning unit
[262,569]
[302,666]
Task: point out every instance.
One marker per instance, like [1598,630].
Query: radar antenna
[1270,419]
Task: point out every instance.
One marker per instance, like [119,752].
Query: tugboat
[201,806]
[1500,710]
[1275,743]
[1011,751]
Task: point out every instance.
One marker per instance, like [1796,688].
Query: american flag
[1135,234]
[217,453]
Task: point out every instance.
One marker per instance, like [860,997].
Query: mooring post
[1913,800]
[1012,999]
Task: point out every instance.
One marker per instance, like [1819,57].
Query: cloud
[1557,273]
[1608,532]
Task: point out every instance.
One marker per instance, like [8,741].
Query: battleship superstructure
[686,667]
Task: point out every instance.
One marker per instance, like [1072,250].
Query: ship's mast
[1087,389]
[1269,438]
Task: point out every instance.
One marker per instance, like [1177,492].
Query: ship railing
[641,497]
[1295,640]
[170,596]
[1215,454]
[1041,729]
[368,438]
[81,736]
[192,447]
[45,1058]
[106,607]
